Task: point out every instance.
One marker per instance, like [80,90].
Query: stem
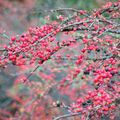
[67,115]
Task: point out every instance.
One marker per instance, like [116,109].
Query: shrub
[77,59]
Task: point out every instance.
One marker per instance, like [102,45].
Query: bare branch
[67,115]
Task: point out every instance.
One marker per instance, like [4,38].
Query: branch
[40,11]
[115,31]
[75,114]
[67,115]
[67,29]
[25,80]
[2,50]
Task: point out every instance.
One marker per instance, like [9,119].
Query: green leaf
[40,68]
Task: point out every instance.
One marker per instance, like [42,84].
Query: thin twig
[26,79]
[75,114]
[67,115]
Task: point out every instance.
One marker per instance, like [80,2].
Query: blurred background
[17,15]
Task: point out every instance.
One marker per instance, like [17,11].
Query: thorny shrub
[83,46]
